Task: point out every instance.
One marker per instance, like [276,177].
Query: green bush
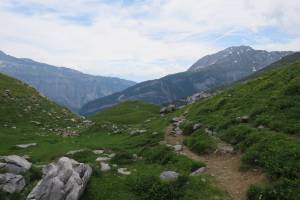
[187,127]
[161,155]
[255,193]
[201,143]
[122,158]
[152,188]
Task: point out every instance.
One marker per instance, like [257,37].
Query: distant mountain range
[65,86]
[216,70]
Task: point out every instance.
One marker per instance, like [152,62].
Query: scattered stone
[75,151]
[124,171]
[105,167]
[11,183]
[168,109]
[199,171]
[243,119]
[169,176]
[24,146]
[178,131]
[261,127]
[111,155]
[98,151]
[155,133]
[103,159]
[197,126]
[178,147]
[64,179]
[14,164]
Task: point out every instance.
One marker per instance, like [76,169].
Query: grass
[111,131]
[269,138]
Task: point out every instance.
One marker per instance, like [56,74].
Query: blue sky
[145,39]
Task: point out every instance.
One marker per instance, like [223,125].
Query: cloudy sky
[142,39]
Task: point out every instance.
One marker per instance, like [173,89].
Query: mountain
[211,71]
[65,86]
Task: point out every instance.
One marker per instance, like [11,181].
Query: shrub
[187,127]
[122,158]
[255,193]
[152,188]
[201,143]
[161,155]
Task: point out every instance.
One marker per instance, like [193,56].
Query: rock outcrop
[14,164]
[11,183]
[65,179]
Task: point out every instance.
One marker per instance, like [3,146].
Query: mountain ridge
[67,87]
[176,86]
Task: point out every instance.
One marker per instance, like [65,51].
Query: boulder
[105,167]
[24,146]
[11,183]
[169,176]
[124,171]
[14,164]
[199,171]
[65,179]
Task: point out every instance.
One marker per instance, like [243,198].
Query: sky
[142,39]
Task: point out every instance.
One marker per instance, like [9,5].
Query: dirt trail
[223,167]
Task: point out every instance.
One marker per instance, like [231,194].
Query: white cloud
[142,40]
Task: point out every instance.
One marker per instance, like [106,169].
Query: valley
[238,144]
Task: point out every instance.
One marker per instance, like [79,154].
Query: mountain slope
[222,68]
[65,86]
[260,117]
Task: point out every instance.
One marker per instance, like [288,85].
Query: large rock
[169,176]
[168,109]
[65,179]
[11,183]
[14,164]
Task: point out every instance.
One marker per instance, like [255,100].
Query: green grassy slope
[270,137]
[26,117]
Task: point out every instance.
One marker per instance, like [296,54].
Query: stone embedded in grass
[24,146]
[64,179]
[75,151]
[103,159]
[14,164]
[169,176]
[111,155]
[105,167]
[199,171]
[196,126]
[100,151]
[178,147]
[124,171]
[11,183]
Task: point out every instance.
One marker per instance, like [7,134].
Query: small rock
[24,146]
[169,176]
[178,147]
[105,167]
[11,183]
[197,126]
[103,159]
[124,171]
[75,151]
[155,133]
[98,152]
[201,170]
